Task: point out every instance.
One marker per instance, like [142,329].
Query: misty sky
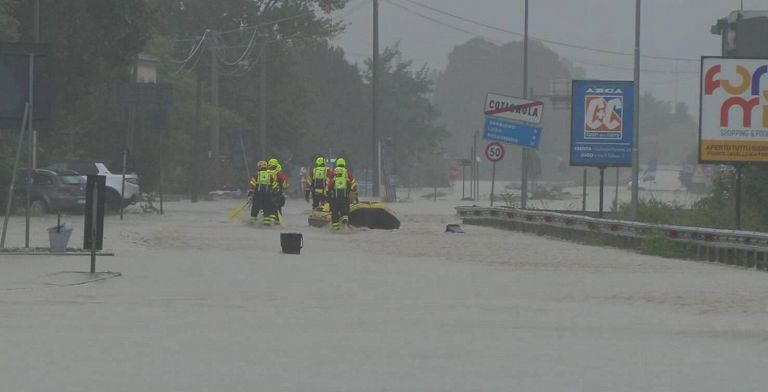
[670,28]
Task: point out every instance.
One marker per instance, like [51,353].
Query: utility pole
[31,99]
[216,127]
[36,40]
[524,176]
[636,119]
[263,99]
[196,140]
[374,103]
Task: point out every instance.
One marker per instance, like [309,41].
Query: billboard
[14,84]
[733,120]
[602,118]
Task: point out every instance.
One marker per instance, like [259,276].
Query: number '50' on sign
[494,152]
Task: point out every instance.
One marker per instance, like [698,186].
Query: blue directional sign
[511,132]
[602,118]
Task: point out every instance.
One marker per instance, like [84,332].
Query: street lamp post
[636,119]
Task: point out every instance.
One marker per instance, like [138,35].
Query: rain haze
[670,28]
[238,195]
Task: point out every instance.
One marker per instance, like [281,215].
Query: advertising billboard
[602,115]
[733,120]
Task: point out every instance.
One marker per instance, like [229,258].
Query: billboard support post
[738,196]
[602,189]
[616,194]
[584,191]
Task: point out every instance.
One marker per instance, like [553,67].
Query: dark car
[51,191]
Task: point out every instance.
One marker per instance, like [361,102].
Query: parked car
[114,181]
[51,191]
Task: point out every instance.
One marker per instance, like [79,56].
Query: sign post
[514,120]
[93,229]
[494,152]
[602,118]
[733,121]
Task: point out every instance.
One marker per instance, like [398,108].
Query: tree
[9,26]
[478,67]
[407,117]
[92,51]
[339,108]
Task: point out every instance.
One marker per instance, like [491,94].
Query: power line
[629,68]
[553,42]
[440,22]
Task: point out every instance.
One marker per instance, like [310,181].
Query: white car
[114,181]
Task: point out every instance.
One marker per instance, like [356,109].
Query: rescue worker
[338,189]
[316,182]
[262,188]
[282,183]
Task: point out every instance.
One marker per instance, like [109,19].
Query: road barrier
[740,248]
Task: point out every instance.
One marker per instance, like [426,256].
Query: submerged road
[206,304]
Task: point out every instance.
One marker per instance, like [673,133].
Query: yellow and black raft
[372,215]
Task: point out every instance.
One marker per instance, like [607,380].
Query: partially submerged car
[51,191]
[114,181]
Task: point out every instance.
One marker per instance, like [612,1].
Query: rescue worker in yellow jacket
[338,189]
[316,182]
[262,189]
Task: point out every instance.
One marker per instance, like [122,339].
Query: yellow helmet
[262,164]
[279,167]
[273,162]
[320,161]
[341,162]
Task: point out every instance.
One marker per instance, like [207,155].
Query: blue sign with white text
[511,132]
[602,118]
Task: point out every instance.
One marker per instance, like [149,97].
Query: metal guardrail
[745,248]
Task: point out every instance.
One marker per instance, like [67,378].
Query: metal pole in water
[602,188]
[13,175]
[738,196]
[31,145]
[493,181]
[616,194]
[584,191]
[636,119]
[94,223]
[524,175]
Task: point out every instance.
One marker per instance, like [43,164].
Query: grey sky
[670,28]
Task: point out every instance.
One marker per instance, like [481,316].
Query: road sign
[733,121]
[504,131]
[513,108]
[602,117]
[494,152]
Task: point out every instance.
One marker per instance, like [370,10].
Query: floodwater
[206,304]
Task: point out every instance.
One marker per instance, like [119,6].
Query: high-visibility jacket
[282,180]
[341,180]
[264,181]
[317,178]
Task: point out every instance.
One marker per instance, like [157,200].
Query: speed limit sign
[494,152]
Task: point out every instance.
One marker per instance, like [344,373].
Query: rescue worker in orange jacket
[317,179]
[263,187]
[338,189]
